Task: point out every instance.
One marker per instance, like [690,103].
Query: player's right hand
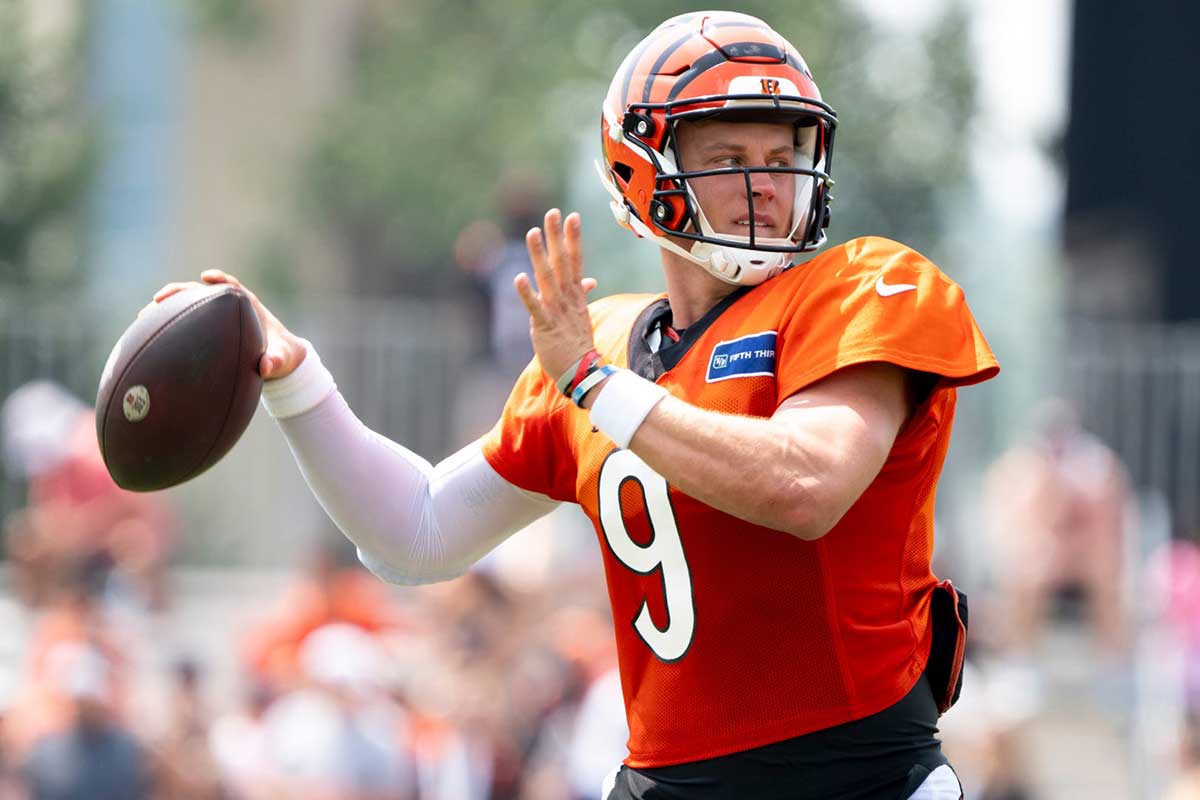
[284,350]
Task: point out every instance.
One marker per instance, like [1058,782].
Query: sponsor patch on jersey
[743,357]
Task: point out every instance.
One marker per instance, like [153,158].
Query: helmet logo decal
[770,86]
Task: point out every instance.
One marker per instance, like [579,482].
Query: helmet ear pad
[672,208]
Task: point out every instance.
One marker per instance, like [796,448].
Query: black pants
[885,756]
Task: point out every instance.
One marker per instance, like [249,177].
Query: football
[179,388]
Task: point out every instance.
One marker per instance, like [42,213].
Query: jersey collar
[651,354]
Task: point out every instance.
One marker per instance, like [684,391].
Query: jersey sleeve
[527,446]
[878,300]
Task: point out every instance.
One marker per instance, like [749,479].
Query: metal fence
[1138,388]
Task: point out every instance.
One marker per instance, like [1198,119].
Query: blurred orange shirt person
[43,706]
[327,593]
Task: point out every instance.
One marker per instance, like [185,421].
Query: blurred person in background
[73,619]
[492,254]
[544,690]
[75,514]
[94,756]
[580,636]
[1175,574]
[10,765]
[986,735]
[1186,785]
[766,512]
[331,588]
[338,736]
[1058,507]
[598,736]
[183,761]
[479,719]
[237,741]
[452,752]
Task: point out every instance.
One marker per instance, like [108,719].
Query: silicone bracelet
[567,382]
[591,379]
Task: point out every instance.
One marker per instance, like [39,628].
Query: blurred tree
[448,95]
[47,149]
[237,21]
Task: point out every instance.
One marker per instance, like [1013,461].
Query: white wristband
[623,404]
[303,389]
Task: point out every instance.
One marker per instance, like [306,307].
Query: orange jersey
[731,635]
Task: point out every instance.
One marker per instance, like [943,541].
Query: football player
[758,448]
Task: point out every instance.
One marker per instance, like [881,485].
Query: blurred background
[368,167]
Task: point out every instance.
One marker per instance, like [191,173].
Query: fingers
[529,299]
[279,359]
[209,276]
[283,353]
[556,254]
[215,276]
[564,250]
[270,365]
[172,288]
[219,276]
[556,257]
[573,249]
[535,243]
[557,251]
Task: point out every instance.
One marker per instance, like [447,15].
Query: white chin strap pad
[738,265]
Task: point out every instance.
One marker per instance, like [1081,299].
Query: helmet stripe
[715,57]
[632,60]
[658,63]
[798,65]
[701,65]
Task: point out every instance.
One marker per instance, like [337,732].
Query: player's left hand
[559,324]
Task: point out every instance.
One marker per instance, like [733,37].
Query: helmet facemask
[757,254]
[676,212]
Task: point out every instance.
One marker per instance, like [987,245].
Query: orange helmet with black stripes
[713,65]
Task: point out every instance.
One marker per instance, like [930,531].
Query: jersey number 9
[664,552]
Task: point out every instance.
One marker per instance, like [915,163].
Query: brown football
[179,388]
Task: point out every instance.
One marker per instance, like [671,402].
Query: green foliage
[47,152]
[450,94]
[904,105]
[236,21]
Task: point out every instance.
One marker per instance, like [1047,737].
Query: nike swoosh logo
[889,289]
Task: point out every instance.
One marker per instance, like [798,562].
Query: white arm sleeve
[412,522]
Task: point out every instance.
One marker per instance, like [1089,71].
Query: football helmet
[713,65]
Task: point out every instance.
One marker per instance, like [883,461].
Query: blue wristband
[595,376]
